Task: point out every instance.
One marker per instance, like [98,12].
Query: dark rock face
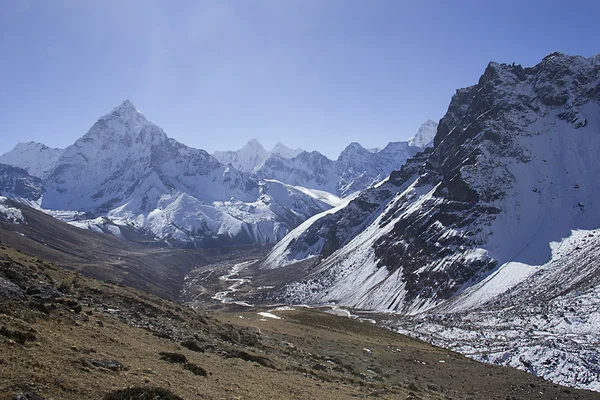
[112,365]
[44,293]
[11,291]
[16,182]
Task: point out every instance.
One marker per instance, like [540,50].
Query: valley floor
[64,336]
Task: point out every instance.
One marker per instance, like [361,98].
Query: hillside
[137,262]
[66,336]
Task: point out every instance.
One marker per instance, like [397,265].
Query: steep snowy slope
[35,158]
[127,170]
[547,324]
[513,169]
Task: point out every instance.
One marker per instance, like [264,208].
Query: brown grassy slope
[154,269]
[305,355]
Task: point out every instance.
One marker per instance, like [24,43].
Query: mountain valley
[459,264]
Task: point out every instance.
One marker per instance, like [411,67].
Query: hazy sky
[316,74]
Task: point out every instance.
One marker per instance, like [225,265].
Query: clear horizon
[316,75]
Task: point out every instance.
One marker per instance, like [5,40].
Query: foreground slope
[66,336]
[137,262]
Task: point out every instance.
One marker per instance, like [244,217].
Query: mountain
[513,169]
[485,242]
[125,173]
[424,136]
[359,168]
[284,151]
[37,159]
[249,157]
[308,169]
[17,183]
[244,159]
[355,169]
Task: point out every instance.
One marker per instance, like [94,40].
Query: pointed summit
[127,104]
[123,120]
[425,134]
[126,112]
[255,144]
[283,151]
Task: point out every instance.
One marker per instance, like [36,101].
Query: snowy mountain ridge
[249,157]
[424,136]
[126,169]
[355,169]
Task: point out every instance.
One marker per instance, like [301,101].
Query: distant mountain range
[126,170]
[355,169]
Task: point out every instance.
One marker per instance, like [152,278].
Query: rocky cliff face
[17,183]
[513,169]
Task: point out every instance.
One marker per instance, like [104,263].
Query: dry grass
[306,355]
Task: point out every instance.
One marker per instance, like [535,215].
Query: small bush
[138,393]
[175,358]
[195,369]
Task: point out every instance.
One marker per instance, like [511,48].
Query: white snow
[424,136]
[268,315]
[11,214]
[35,158]
[127,170]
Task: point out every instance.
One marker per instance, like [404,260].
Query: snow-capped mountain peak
[283,151]
[513,170]
[424,136]
[354,147]
[127,170]
[253,147]
[126,108]
[36,158]
[244,159]
[123,120]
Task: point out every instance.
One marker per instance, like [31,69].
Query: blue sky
[315,74]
